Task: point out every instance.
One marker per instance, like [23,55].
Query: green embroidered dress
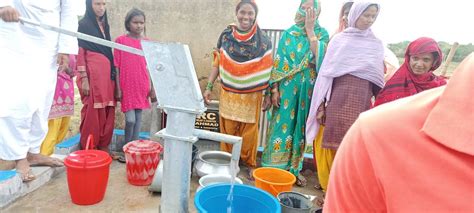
[295,69]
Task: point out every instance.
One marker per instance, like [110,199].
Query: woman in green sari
[299,55]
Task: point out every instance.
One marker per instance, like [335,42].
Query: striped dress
[245,62]
[244,59]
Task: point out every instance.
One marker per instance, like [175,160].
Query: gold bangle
[313,38]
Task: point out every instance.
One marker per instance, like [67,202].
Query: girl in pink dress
[62,109]
[133,81]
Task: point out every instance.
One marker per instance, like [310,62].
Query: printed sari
[295,69]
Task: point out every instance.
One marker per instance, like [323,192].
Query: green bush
[462,51]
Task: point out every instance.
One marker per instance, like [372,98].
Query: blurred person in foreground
[425,163]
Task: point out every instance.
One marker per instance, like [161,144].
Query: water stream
[234,166]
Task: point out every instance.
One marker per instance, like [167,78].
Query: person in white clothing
[29,59]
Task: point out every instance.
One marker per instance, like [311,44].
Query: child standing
[61,110]
[133,81]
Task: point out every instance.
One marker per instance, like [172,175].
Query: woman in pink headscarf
[350,75]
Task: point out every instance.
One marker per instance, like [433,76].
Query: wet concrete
[120,195]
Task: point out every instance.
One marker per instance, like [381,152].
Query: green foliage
[462,51]
[399,48]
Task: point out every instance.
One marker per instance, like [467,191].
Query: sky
[399,20]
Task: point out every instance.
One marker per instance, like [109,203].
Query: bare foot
[250,174]
[300,180]
[23,168]
[319,201]
[7,164]
[115,156]
[42,160]
[318,187]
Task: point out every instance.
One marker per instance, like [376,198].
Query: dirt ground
[120,195]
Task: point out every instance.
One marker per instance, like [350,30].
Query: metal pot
[215,179]
[213,162]
[157,179]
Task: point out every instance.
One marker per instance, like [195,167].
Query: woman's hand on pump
[207,96]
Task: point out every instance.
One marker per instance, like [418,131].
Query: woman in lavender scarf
[350,75]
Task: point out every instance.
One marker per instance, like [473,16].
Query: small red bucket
[87,174]
[142,158]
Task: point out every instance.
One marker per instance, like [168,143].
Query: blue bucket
[247,199]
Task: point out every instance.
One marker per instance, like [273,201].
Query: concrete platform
[13,188]
[120,195]
[53,196]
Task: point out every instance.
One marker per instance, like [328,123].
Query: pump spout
[214,136]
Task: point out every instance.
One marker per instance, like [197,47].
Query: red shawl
[404,82]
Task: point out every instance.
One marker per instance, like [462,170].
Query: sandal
[318,187]
[319,201]
[121,159]
[27,177]
[114,156]
[300,180]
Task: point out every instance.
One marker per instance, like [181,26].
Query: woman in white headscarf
[351,74]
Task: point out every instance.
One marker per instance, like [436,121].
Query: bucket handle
[313,209]
[273,189]
[90,142]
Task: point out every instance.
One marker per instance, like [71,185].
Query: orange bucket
[273,180]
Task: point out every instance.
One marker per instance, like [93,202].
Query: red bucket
[87,174]
[142,158]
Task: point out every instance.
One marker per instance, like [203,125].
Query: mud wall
[196,23]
